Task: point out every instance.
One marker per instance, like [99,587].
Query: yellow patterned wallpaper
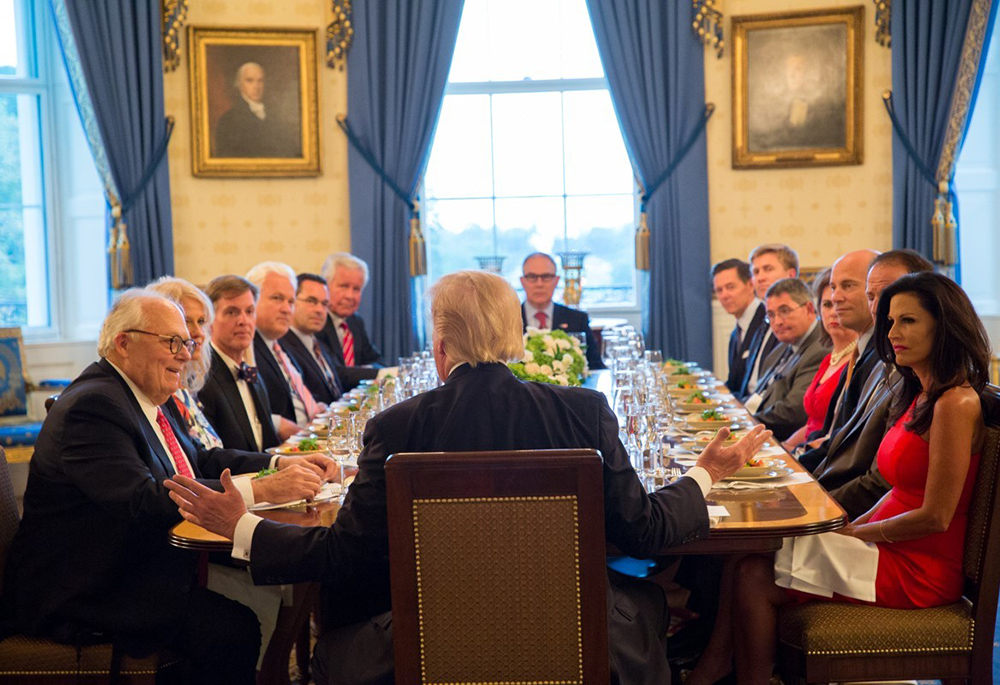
[822,212]
[228,225]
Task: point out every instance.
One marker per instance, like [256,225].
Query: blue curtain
[113,53]
[928,37]
[397,71]
[655,69]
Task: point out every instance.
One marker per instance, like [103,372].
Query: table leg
[291,619]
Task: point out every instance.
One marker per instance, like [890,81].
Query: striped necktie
[348,344]
[299,389]
[328,374]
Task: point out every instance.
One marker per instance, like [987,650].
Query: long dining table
[756,519]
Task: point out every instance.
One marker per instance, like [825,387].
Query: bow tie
[247,373]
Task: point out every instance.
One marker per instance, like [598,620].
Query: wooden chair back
[497,567]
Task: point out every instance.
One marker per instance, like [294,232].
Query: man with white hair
[91,558]
[292,404]
[481,406]
[344,333]
[248,128]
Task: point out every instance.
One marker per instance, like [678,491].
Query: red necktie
[295,381]
[180,460]
[542,319]
[348,344]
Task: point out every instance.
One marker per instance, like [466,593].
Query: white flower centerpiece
[551,357]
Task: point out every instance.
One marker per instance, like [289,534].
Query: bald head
[847,285]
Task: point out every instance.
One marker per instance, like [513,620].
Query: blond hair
[786,255]
[478,317]
[196,370]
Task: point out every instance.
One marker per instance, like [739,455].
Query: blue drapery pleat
[655,69]
[397,71]
[927,40]
[120,57]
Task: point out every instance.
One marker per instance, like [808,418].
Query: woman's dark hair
[960,352]
[820,283]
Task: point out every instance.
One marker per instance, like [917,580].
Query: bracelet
[881,530]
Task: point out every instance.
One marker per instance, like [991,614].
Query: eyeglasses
[782,313]
[534,278]
[312,301]
[176,341]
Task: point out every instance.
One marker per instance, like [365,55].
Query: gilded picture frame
[254,102]
[797,88]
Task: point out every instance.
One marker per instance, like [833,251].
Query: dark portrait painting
[253,100]
[797,89]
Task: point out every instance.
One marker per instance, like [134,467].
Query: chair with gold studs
[497,567]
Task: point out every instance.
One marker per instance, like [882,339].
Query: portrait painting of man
[797,88]
[254,110]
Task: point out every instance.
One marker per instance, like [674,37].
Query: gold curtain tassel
[642,244]
[124,257]
[116,214]
[418,248]
[950,238]
[938,228]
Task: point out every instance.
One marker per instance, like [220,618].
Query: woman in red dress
[824,383]
[913,538]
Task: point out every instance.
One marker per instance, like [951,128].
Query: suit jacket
[241,133]
[781,407]
[739,350]
[847,465]
[573,321]
[841,410]
[312,374]
[224,410]
[481,408]
[279,394]
[366,355]
[757,348]
[92,547]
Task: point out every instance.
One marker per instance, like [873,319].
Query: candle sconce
[572,264]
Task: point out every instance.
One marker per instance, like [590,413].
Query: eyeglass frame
[535,278]
[768,317]
[175,341]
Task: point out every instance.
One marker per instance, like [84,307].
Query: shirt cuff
[243,536]
[274,462]
[700,476]
[276,422]
[244,485]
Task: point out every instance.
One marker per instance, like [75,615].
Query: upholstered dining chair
[822,642]
[497,567]
[25,659]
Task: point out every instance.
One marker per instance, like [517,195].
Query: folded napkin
[827,563]
[716,512]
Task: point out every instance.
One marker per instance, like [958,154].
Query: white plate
[327,492]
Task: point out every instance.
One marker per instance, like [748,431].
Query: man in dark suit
[539,280]
[768,263]
[845,462]
[344,332]
[247,129]
[234,398]
[481,406]
[91,554]
[312,301]
[291,400]
[732,284]
[778,400]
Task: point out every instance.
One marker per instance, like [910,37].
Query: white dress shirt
[530,311]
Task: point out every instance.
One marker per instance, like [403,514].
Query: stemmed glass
[338,446]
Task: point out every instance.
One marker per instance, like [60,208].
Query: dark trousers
[221,639]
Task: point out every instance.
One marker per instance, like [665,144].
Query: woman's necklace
[835,357]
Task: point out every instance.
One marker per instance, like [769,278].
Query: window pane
[527,144]
[596,161]
[471,60]
[23,282]
[15,27]
[524,40]
[604,226]
[457,232]
[461,162]
[580,58]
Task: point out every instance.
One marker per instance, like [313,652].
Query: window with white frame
[53,279]
[528,155]
[977,180]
